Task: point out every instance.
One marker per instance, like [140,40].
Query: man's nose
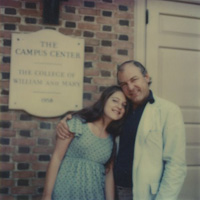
[130,86]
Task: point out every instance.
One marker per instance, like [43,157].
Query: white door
[173,61]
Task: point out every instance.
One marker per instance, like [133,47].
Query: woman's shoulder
[75,125]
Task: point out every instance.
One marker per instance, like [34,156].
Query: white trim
[140,30]
[187,1]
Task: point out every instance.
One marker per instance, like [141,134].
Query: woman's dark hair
[96,111]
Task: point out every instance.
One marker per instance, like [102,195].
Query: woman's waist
[83,160]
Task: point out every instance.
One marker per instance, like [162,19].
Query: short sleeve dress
[82,172]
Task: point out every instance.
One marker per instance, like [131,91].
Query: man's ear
[147,78]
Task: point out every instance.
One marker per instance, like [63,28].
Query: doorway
[167,42]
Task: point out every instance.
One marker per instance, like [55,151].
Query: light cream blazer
[159,166]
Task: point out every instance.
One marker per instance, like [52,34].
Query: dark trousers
[122,193]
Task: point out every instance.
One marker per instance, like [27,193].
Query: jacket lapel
[147,123]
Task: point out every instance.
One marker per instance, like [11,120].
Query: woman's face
[114,108]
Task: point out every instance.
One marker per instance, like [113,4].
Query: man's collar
[150,98]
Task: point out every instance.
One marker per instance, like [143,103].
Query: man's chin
[134,98]
[136,101]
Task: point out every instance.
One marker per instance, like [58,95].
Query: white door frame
[140,31]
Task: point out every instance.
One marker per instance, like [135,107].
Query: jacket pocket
[154,188]
[155,137]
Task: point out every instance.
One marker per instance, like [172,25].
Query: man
[150,161]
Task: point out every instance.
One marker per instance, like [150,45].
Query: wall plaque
[46,73]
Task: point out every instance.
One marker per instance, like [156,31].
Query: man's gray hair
[135,63]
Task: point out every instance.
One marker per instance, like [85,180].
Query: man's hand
[62,130]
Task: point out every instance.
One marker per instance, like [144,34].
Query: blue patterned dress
[82,172]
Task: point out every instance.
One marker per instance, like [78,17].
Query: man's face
[134,84]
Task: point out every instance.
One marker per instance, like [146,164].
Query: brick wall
[26,141]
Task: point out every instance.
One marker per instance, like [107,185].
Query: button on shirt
[124,161]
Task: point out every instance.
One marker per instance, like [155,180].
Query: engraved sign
[46,73]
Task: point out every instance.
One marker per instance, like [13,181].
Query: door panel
[173,61]
[179,80]
[192,134]
[190,189]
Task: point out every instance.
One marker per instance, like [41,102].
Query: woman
[77,169]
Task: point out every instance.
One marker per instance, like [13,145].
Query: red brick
[9,19]
[24,158]
[7,166]
[40,166]
[29,28]
[25,125]
[44,133]
[96,96]
[107,36]
[3,100]
[43,150]
[130,36]
[123,29]
[67,31]
[5,50]
[106,6]
[90,88]
[30,12]
[24,174]
[87,103]
[8,116]
[123,15]
[107,20]
[129,3]
[5,34]
[10,3]
[36,197]
[115,75]
[4,84]
[132,24]
[7,183]
[92,42]
[54,128]
[108,66]
[6,149]
[88,11]
[77,3]
[130,53]
[8,133]
[106,50]
[23,190]
[40,22]
[120,59]
[88,26]
[122,45]
[5,67]
[70,17]
[103,81]
[23,141]
[38,182]
[35,1]
[91,57]
[7,197]
[91,72]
